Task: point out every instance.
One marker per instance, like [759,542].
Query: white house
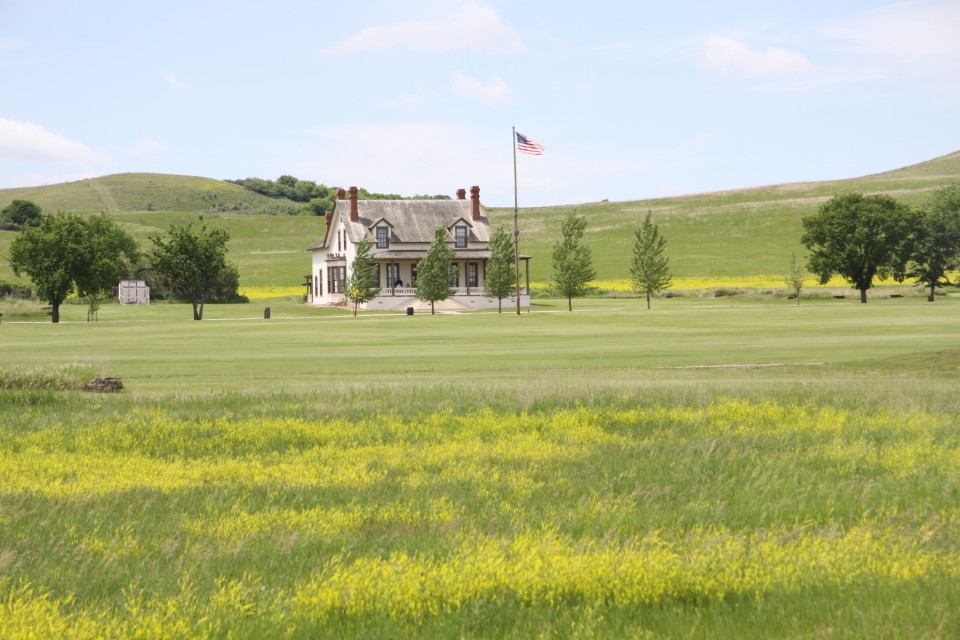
[400,232]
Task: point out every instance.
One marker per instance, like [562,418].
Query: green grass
[586,474]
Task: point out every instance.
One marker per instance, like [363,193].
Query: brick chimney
[329,217]
[475,202]
[341,194]
[461,194]
[354,214]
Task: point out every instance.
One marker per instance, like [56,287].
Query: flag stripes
[529,145]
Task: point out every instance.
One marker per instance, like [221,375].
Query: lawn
[611,472]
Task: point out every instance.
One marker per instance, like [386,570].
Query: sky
[632,100]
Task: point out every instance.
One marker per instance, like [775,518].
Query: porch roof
[418,254]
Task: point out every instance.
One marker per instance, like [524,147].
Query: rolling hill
[737,233]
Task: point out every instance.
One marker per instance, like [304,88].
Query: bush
[15,291]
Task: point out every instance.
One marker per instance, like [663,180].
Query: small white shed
[133,292]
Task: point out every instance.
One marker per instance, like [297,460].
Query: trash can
[409,311]
[266,313]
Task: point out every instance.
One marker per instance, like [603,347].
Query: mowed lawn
[159,349]
[705,469]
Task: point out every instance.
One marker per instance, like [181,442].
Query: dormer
[381,230]
[460,230]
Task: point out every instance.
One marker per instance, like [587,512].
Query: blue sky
[631,99]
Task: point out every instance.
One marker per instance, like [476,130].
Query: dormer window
[383,237]
[460,237]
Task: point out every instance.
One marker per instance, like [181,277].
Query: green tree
[796,275]
[433,272]
[649,269]
[191,263]
[67,254]
[501,278]
[112,255]
[860,238]
[572,260]
[937,248]
[19,214]
[362,282]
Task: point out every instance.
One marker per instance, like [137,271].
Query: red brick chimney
[329,217]
[341,194]
[475,202]
[354,214]
[461,194]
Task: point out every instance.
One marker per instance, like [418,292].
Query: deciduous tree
[362,282]
[433,272]
[572,260]
[191,263]
[19,214]
[649,269]
[796,275]
[501,277]
[937,248]
[860,238]
[67,254]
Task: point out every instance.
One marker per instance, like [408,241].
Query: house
[400,232]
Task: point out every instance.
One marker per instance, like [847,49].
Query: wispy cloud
[922,32]
[8,45]
[29,141]
[497,91]
[474,27]
[176,82]
[425,98]
[148,148]
[732,57]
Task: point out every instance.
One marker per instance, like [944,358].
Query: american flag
[529,145]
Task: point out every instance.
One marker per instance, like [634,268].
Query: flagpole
[516,218]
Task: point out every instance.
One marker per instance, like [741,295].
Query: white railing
[409,292]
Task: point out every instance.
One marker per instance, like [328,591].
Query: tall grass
[57,377]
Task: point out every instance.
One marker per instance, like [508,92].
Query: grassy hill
[728,233]
[146,192]
[743,232]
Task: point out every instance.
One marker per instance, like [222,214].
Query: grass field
[612,472]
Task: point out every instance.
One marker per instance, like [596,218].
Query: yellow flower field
[151,524]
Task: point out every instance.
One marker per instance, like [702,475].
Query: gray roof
[413,220]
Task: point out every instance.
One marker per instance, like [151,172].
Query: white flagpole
[516,219]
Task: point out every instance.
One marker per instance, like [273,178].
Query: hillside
[733,233]
[729,233]
[146,192]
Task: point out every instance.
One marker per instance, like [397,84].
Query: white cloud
[148,147]
[735,58]
[29,141]
[924,30]
[475,27]
[497,91]
[176,82]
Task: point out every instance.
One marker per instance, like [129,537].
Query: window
[473,278]
[319,282]
[460,234]
[455,275]
[393,275]
[377,285]
[335,278]
[383,237]
[316,283]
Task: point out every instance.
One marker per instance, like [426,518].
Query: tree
[433,272]
[860,238]
[937,248]
[113,254]
[19,214]
[362,282]
[501,278]
[67,254]
[649,269]
[572,260]
[795,277]
[191,263]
